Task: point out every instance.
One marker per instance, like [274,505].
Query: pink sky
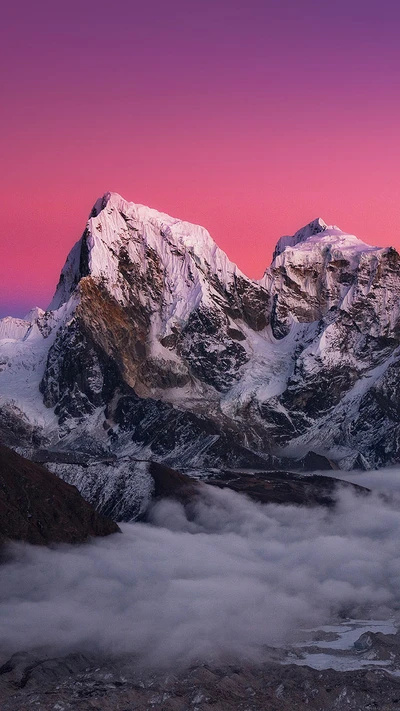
[248,118]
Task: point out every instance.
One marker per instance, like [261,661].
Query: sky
[249,118]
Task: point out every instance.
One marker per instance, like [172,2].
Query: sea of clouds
[234,578]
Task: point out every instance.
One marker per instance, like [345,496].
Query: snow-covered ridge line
[18,328]
[116,224]
[316,226]
[153,329]
[185,250]
[320,237]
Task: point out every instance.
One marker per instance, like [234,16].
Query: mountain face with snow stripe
[155,343]
[163,300]
[177,265]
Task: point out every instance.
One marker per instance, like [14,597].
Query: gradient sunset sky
[250,118]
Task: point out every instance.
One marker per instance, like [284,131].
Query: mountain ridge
[158,344]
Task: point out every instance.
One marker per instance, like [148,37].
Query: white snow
[337,662]
[34,314]
[23,355]
[13,328]
[349,632]
[319,237]
[301,235]
[187,253]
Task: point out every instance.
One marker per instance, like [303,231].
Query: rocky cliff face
[157,346]
[159,298]
[335,392]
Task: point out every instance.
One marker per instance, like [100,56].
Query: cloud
[384,480]
[227,581]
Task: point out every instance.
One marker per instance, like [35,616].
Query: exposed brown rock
[119,332]
[38,507]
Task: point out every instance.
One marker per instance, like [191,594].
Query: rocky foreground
[82,682]
[283,681]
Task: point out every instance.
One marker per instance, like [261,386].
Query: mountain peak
[33,314]
[103,201]
[317,236]
[312,228]
[122,238]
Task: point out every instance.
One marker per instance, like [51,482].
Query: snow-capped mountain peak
[122,236]
[160,342]
[315,238]
[34,314]
[313,228]
[18,328]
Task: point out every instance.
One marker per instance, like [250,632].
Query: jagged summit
[101,203]
[119,231]
[137,217]
[159,347]
[17,328]
[316,226]
[33,314]
[123,237]
[317,236]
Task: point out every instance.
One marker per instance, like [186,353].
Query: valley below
[213,601]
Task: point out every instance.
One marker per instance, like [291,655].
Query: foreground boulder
[38,507]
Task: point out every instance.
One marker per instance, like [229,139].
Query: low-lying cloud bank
[235,578]
[383,480]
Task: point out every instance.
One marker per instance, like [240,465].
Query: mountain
[156,346]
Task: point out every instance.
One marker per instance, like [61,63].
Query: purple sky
[249,118]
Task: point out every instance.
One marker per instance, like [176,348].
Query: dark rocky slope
[269,487]
[38,507]
[285,487]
